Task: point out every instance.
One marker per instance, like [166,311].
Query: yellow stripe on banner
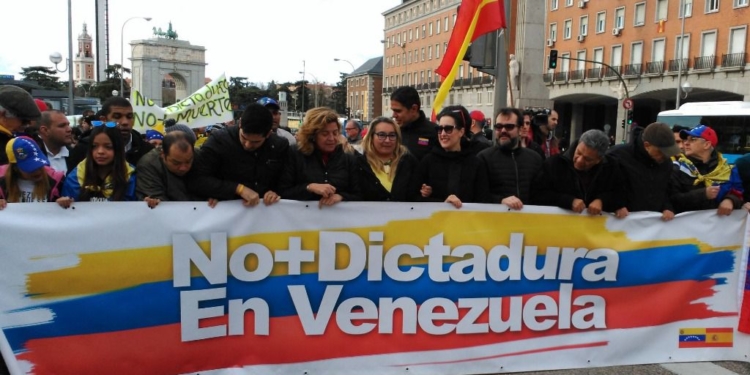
[447,83]
[722,337]
[95,272]
[692,331]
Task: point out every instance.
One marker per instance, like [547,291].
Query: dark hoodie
[646,181]
[560,183]
[459,173]
[419,136]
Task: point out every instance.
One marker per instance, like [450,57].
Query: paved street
[700,368]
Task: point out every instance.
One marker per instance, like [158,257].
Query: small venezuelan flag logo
[706,337]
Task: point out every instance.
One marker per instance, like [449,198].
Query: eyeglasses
[383,135]
[448,129]
[109,124]
[507,127]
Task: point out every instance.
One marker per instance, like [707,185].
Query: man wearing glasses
[702,179]
[510,167]
[118,110]
[353,132]
[17,109]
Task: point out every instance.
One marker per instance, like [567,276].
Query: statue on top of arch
[169,34]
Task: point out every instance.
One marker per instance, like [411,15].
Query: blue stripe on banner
[158,303]
[692,338]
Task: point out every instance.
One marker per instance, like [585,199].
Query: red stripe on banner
[702,344]
[720,330]
[158,350]
[512,354]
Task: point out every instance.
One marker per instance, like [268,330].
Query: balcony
[611,73]
[576,75]
[547,77]
[476,81]
[674,65]
[434,85]
[594,74]
[561,77]
[487,79]
[704,62]
[632,70]
[733,60]
[655,67]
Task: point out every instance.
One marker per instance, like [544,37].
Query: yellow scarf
[108,188]
[721,173]
[5,131]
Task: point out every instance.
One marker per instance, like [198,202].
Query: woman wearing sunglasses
[103,175]
[386,169]
[451,173]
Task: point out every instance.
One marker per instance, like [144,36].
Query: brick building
[363,88]
[641,41]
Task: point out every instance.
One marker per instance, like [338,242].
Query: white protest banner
[207,106]
[362,288]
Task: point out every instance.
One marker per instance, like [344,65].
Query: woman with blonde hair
[387,171]
[321,167]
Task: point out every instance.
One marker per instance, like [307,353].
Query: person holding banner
[321,168]
[451,173]
[387,170]
[104,175]
[243,161]
[28,177]
[582,178]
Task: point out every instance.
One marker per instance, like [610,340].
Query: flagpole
[501,80]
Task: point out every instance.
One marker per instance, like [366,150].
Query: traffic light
[630,117]
[623,123]
[348,112]
[552,59]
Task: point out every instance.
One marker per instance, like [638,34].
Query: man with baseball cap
[647,168]
[17,110]
[702,179]
[273,106]
[477,128]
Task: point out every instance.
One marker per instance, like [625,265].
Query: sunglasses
[110,124]
[448,129]
[507,127]
[382,136]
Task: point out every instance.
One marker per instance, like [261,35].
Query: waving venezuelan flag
[475,18]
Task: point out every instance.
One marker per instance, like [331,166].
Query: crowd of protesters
[405,158]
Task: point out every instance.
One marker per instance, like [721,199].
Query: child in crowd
[104,175]
[28,178]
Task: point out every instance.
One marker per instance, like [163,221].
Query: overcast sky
[260,40]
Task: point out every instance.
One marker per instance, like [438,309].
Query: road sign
[627,103]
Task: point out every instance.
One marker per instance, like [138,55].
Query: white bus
[730,120]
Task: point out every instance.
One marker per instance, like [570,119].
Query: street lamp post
[303,87]
[683,5]
[122,51]
[346,61]
[56,58]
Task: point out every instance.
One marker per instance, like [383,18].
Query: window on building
[740,3]
[430,28]
[479,97]
[708,43]
[661,10]
[712,6]
[688,8]
[429,52]
[567,29]
[408,60]
[429,75]
[445,24]
[616,58]
[581,63]
[601,22]
[657,50]
[583,28]
[553,31]
[461,71]
[416,33]
[568,3]
[636,53]
[685,47]
[411,35]
[437,51]
[421,77]
[598,57]
[489,96]
[424,28]
[437,27]
[620,18]
[737,40]
[565,62]
[454,19]
[553,4]
[639,19]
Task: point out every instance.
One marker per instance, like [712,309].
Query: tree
[41,75]
[339,95]
[103,89]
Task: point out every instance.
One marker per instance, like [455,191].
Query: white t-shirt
[27,191]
